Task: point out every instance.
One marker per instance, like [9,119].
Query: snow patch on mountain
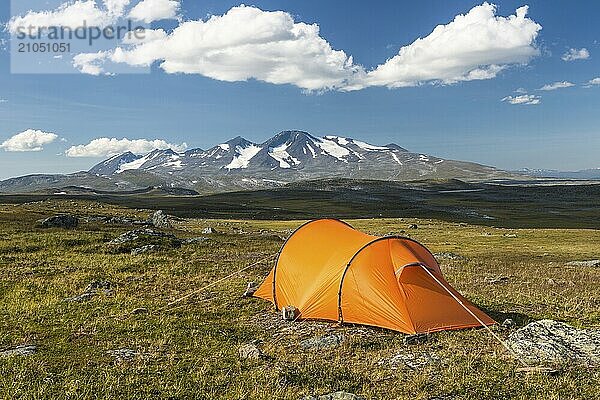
[332,148]
[367,146]
[133,165]
[281,155]
[243,157]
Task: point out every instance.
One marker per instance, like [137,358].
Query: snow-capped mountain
[289,156]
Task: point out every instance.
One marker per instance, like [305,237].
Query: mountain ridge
[239,164]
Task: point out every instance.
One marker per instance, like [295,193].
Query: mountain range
[289,156]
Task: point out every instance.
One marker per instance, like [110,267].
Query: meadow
[125,342]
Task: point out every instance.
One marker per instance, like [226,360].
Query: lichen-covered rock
[409,359]
[19,351]
[144,249]
[549,341]
[61,221]
[249,352]
[323,342]
[588,263]
[161,220]
[334,396]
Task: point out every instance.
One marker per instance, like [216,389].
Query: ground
[100,348]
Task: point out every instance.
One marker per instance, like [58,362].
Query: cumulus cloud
[29,140]
[576,54]
[557,85]
[247,43]
[3,100]
[595,81]
[91,63]
[155,10]
[70,14]
[527,99]
[477,45]
[106,147]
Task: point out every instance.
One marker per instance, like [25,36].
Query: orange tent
[330,271]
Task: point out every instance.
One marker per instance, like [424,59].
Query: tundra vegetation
[93,317]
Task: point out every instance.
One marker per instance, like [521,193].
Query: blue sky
[461,120]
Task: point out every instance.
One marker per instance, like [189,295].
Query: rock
[91,290]
[323,342]
[416,339]
[588,263]
[508,324]
[413,226]
[208,231]
[510,235]
[123,354]
[143,234]
[250,289]
[161,220]
[495,279]
[61,221]
[411,360]
[144,249]
[195,240]
[140,310]
[549,341]
[19,351]
[249,352]
[449,256]
[334,396]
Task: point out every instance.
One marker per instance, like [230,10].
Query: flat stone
[19,351]
[323,342]
[144,249]
[588,263]
[549,341]
[412,360]
[123,354]
[334,396]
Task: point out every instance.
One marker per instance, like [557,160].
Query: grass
[190,350]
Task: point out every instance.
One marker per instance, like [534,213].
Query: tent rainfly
[329,271]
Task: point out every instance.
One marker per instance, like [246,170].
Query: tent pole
[459,301]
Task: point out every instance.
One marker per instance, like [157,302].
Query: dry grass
[191,351]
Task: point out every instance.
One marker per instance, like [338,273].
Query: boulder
[161,220]
[61,221]
[249,352]
[323,342]
[209,231]
[413,226]
[19,351]
[91,290]
[549,341]
[334,396]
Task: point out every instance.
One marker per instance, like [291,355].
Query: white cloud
[521,90]
[106,147]
[248,43]
[29,140]
[91,63]
[477,45]
[155,10]
[527,99]
[593,82]
[557,85]
[576,54]
[69,14]
[3,100]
